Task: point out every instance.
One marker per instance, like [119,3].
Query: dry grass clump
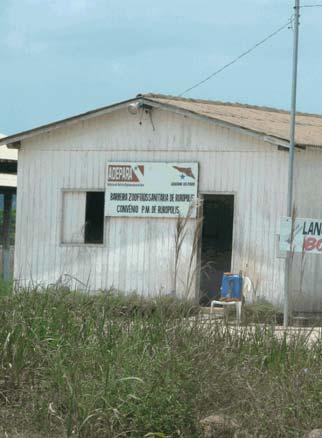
[110,366]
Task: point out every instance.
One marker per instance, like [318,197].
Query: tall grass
[6,287]
[110,366]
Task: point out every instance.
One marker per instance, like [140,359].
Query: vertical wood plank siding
[306,285]
[138,254]
[73,217]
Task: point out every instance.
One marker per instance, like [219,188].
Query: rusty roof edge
[268,138]
[247,131]
[230,104]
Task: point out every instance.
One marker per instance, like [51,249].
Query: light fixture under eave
[134,107]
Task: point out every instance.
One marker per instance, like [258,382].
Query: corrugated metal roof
[265,121]
[262,121]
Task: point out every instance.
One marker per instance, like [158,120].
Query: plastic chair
[247,295]
[237,304]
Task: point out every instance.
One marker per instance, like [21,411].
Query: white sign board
[307,235]
[145,189]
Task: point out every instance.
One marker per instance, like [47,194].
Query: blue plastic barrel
[231,286]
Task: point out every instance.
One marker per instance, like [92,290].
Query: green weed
[107,365]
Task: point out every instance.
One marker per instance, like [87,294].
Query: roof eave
[274,140]
[218,122]
[13,141]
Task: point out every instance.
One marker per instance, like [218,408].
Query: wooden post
[6,271]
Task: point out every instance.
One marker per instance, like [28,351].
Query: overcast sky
[63,57]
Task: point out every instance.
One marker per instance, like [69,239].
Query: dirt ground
[312,334]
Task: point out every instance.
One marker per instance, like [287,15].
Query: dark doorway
[94,217]
[216,244]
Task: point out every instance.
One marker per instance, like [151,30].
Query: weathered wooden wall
[306,282]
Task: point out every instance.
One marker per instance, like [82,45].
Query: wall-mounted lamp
[134,107]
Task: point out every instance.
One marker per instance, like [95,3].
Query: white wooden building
[242,154]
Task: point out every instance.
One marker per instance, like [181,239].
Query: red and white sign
[124,173]
[145,189]
[304,235]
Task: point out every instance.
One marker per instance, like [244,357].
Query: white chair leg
[238,310]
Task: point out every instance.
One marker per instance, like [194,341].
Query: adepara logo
[125,173]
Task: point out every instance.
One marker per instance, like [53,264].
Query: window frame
[61,232]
